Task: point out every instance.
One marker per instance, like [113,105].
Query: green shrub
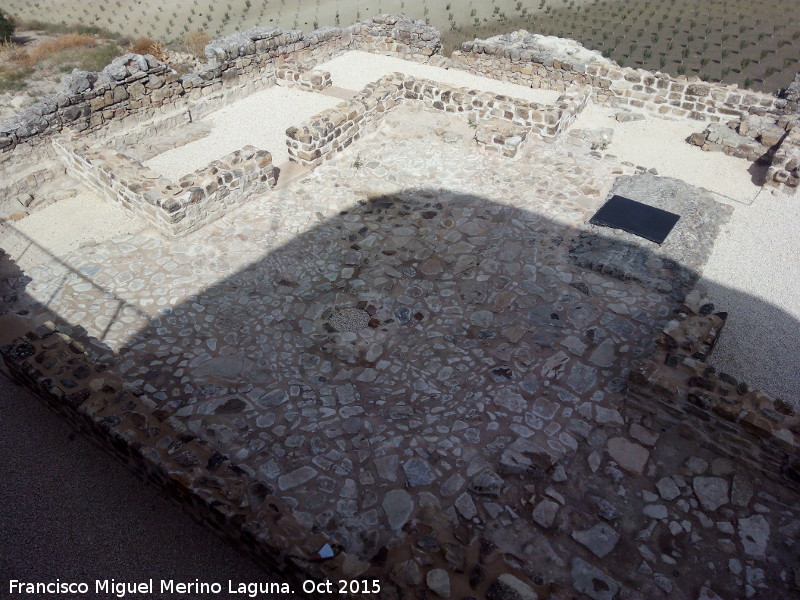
[6,27]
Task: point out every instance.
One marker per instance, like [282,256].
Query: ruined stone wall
[335,129]
[569,105]
[769,138]
[18,194]
[304,79]
[784,170]
[173,208]
[537,62]
[136,88]
[678,387]
[397,35]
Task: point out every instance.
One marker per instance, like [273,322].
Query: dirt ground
[723,40]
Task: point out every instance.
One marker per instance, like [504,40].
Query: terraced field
[716,40]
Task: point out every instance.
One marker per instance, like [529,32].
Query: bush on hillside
[195,43]
[6,27]
[144,45]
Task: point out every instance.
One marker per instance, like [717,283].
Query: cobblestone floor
[416,323]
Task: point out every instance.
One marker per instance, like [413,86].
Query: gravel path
[260,120]
[71,223]
[754,275]
[356,69]
[661,143]
[72,512]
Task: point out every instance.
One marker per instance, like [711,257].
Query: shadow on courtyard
[407,341]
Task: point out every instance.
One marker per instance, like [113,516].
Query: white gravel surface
[754,275]
[356,69]
[73,222]
[260,120]
[661,144]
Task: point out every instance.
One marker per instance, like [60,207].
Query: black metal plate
[643,220]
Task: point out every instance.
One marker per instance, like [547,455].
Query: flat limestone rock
[712,492]
[754,533]
[545,513]
[600,539]
[630,456]
[508,587]
[398,506]
[592,581]
[438,581]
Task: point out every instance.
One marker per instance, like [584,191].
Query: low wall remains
[333,130]
[784,170]
[135,88]
[677,387]
[551,63]
[769,138]
[172,208]
[304,79]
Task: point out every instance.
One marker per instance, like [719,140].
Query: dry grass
[46,49]
[195,43]
[20,64]
[145,45]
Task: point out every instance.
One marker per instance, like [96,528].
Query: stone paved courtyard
[419,331]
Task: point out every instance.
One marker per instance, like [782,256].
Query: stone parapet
[678,387]
[157,448]
[174,208]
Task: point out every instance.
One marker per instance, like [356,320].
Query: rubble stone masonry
[174,208]
[676,385]
[335,129]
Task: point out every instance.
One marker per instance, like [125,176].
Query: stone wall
[304,79]
[335,129]
[784,170]
[769,138]
[569,105]
[679,388]
[397,35]
[136,88]
[551,63]
[172,208]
